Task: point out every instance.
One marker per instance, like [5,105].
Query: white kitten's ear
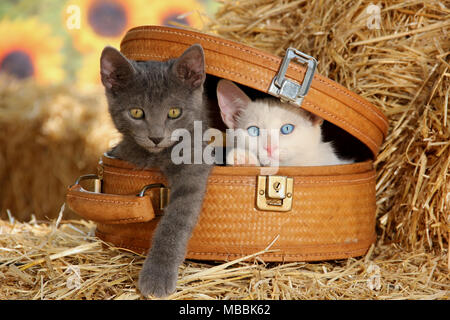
[190,67]
[316,120]
[115,69]
[231,100]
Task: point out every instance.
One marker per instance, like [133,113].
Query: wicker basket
[324,212]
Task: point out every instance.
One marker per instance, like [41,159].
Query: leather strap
[110,208]
[256,69]
[126,207]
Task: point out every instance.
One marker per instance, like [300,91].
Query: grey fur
[156,87]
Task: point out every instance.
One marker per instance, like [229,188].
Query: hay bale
[49,136]
[402,67]
[63,260]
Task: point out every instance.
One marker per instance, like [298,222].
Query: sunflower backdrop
[28,49]
[54,121]
[53,41]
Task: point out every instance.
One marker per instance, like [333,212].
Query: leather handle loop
[110,208]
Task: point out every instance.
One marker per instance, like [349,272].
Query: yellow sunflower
[28,49]
[138,12]
[89,72]
[104,22]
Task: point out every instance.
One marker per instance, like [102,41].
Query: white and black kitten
[147,101]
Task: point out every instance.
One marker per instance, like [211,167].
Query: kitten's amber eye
[137,113]
[174,113]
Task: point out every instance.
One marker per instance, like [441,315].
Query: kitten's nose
[156,140]
[270,150]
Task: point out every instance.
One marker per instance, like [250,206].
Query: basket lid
[259,70]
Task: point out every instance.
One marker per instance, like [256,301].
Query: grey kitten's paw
[157,280]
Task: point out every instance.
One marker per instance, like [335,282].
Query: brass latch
[274,193]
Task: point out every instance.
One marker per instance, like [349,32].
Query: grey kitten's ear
[189,68]
[115,69]
[231,101]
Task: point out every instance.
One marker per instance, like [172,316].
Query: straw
[42,261]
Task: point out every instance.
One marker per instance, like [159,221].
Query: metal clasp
[274,193]
[289,90]
[164,193]
[97,182]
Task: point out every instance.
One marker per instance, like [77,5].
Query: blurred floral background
[55,41]
[54,122]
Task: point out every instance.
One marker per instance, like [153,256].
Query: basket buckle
[164,193]
[289,90]
[274,193]
[97,181]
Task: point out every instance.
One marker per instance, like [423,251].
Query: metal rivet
[261,192]
[289,195]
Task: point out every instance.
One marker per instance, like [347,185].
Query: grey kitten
[148,100]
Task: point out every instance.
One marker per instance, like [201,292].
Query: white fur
[302,147]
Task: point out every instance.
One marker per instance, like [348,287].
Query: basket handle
[109,208]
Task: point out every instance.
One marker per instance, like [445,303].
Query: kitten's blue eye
[287,128]
[253,131]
